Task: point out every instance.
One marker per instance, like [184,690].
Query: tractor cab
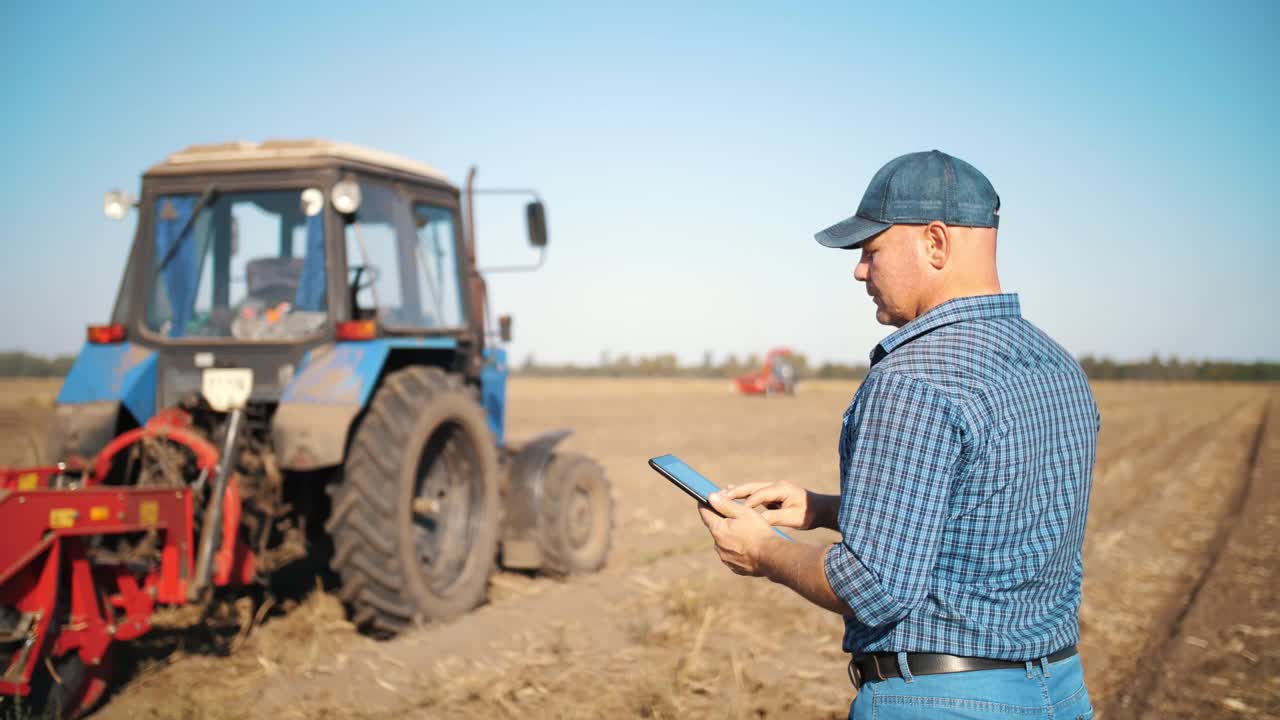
[263,251]
[268,257]
[249,258]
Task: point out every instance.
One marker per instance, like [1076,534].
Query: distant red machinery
[778,376]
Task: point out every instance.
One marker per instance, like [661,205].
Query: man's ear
[937,249]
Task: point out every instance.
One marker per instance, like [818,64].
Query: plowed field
[1180,615]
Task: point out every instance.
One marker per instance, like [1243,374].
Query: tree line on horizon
[731,365]
[22,364]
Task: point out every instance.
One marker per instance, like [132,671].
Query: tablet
[690,481]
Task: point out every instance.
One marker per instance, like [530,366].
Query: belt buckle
[855,674]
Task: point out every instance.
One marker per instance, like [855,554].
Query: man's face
[895,270]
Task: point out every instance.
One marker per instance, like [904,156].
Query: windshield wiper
[207,197]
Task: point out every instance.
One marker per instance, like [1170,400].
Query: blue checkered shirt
[966,460]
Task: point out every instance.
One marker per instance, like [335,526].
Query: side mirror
[536,217]
[504,327]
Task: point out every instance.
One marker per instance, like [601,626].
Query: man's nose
[860,271]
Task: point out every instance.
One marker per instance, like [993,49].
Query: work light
[115,204]
[345,196]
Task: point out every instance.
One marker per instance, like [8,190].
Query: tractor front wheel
[416,516]
[575,515]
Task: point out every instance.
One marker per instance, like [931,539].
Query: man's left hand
[741,535]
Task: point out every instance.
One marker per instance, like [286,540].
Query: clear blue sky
[687,155]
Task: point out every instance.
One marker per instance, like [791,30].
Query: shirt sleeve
[904,449]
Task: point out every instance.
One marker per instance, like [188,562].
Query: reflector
[105,334]
[356,330]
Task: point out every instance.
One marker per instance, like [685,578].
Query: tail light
[356,330]
[105,334]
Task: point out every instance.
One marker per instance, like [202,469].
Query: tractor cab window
[248,266]
[402,262]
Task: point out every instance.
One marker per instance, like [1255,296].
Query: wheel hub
[580,517]
[442,510]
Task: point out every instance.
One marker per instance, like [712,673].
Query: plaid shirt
[966,459]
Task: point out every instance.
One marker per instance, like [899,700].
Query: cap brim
[850,233]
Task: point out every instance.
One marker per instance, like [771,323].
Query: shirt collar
[977,307]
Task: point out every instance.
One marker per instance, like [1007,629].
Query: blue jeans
[1006,694]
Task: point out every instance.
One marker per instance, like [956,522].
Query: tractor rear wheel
[416,516]
[575,516]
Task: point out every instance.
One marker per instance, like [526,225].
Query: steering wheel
[363,277]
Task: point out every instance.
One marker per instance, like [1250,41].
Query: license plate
[226,388]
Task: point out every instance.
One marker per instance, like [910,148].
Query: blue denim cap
[917,189]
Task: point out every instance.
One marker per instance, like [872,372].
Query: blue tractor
[313,312]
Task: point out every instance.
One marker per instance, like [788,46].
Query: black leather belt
[874,667]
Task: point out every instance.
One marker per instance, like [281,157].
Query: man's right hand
[787,505]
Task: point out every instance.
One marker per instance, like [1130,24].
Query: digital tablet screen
[687,476]
[673,468]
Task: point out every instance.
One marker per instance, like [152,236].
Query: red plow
[86,562]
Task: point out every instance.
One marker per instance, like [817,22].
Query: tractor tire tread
[364,530]
[399,612]
[363,475]
[379,575]
[363,617]
[349,591]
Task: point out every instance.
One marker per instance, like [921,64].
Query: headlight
[345,196]
[313,201]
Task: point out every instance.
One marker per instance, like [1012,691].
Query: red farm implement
[85,563]
[776,377]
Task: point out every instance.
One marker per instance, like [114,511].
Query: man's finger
[725,507]
[737,492]
[773,493]
[774,516]
[709,517]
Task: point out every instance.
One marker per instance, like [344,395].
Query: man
[966,460]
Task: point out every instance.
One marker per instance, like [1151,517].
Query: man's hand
[742,536]
[747,544]
[786,504]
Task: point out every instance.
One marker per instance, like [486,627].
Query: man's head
[927,230]
[909,269]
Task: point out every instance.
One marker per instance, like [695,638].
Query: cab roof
[240,155]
